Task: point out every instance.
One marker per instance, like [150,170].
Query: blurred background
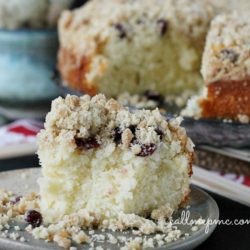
[29,80]
[28,56]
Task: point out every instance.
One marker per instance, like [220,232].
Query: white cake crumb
[22,239]
[14,236]
[111,239]
[194,228]
[4,235]
[17,228]
[244,119]
[148,243]
[133,244]
[80,237]
[62,241]
[99,248]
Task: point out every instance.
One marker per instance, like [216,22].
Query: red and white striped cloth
[19,138]
[241,179]
[19,132]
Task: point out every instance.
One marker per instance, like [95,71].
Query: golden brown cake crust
[73,72]
[227,99]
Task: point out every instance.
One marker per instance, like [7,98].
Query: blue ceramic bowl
[27,60]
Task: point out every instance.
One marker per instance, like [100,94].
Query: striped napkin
[19,138]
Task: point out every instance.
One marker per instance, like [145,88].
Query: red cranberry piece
[121,30]
[147,149]
[160,133]
[229,54]
[117,135]
[163,26]
[87,144]
[34,218]
[132,129]
[16,200]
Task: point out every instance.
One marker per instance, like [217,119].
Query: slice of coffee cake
[100,157]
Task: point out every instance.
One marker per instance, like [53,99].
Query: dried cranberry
[147,149]
[87,144]
[229,54]
[154,96]
[121,30]
[117,135]
[16,200]
[132,129]
[163,26]
[34,218]
[160,133]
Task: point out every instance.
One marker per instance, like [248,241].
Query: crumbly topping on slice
[227,53]
[87,123]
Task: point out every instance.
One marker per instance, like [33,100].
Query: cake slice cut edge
[101,159]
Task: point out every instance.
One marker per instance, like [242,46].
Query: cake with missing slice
[106,160]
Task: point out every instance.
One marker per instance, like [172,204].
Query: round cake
[108,162]
[118,46]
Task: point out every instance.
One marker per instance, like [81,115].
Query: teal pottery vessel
[27,60]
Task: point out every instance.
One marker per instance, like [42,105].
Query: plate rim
[200,236]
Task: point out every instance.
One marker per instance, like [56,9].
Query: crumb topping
[227,54]
[140,101]
[86,123]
